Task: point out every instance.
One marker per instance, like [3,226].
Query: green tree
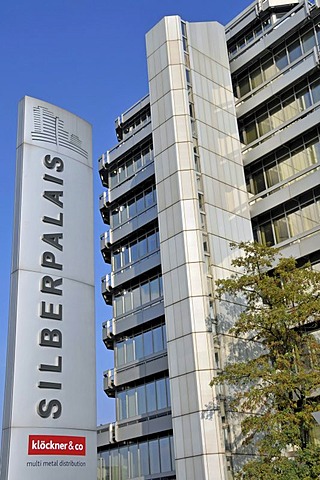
[281,384]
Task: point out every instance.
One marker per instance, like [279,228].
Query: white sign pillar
[49,427]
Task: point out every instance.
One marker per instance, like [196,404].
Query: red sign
[56,445]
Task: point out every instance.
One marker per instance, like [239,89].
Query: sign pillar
[49,427]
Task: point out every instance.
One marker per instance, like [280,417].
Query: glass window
[154,456]
[154,288]
[136,297]
[122,407]
[129,350]
[131,207]
[294,221]
[116,260]
[113,178]
[118,305]
[309,216]
[244,86]
[281,60]
[269,69]
[290,108]
[256,78]
[263,124]
[168,392]
[129,167]
[134,252]
[157,339]
[131,399]
[315,89]
[281,229]
[165,457]
[285,168]
[152,241]
[123,213]
[143,247]
[148,197]
[164,332]
[151,397]
[161,393]
[272,175]
[258,182]
[147,341]
[294,51]
[114,463]
[144,458]
[137,162]
[145,293]
[115,218]
[127,301]
[251,133]
[133,461]
[120,358]
[308,41]
[122,174]
[125,255]
[266,234]
[141,400]
[138,344]
[123,453]
[140,202]
[304,99]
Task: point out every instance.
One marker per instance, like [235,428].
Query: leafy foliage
[282,310]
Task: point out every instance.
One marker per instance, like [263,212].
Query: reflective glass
[168,392]
[148,197]
[141,400]
[308,41]
[129,167]
[256,78]
[129,350]
[140,202]
[144,458]
[145,293]
[151,397]
[143,247]
[147,342]
[114,464]
[131,207]
[131,399]
[258,182]
[136,297]
[133,461]
[123,453]
[134,252]
[152,241]
[294,221]
[120,358]
[251,133]
[272,175]
[154,456]
[118,305]
[266,234]
[315,89]
[281,229]
[154,288]
[122,408]
[294,51]
[161,393]
[309,216]
[127,301]
[165,457]
[138,346]
[157,339]
[281,60]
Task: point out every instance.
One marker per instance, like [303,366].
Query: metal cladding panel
[49,428]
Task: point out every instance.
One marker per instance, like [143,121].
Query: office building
[224,148]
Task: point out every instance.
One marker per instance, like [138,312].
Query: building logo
[49,128]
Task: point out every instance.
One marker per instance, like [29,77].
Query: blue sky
[87,56]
